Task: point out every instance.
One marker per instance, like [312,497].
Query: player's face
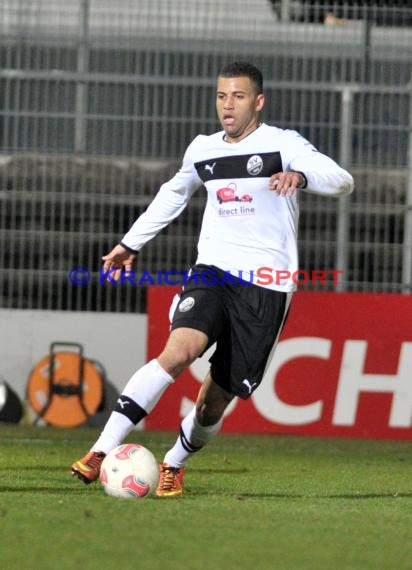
[238,107]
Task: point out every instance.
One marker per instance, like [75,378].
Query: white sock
[147,385]
[139,397]
[116,429]
[192,438]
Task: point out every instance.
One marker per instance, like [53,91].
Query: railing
[96,115]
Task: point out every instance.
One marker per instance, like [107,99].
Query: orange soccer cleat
[170,481]
[87,469]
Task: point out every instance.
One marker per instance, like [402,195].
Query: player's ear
[260,101]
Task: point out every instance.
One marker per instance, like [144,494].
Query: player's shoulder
[296,139]
[279,132]
[295,136]
[270,129]
[271,132]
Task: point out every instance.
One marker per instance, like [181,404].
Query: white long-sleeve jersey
[245,225]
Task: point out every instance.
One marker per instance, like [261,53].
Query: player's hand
[286,183]
[119,259]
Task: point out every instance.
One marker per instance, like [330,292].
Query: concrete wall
[117,341]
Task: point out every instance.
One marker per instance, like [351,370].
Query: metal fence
[99,99]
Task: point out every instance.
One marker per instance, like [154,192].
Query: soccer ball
[129,471]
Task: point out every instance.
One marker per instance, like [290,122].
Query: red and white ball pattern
[130,471]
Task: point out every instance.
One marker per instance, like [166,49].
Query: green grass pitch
[250,503]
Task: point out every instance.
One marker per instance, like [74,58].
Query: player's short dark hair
[243,68]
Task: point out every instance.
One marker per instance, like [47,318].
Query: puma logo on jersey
[210,168]
[248,385]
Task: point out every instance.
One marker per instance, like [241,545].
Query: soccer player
[252,173]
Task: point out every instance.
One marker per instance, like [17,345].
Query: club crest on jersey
[254,165]
[186,304]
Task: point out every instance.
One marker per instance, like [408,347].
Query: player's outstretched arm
[324,176]
[117,260]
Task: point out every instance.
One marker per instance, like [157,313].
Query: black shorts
[244,320]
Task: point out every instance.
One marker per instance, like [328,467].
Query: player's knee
[184,356]
[175,360]
[182,348]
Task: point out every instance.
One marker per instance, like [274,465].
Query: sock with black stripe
[139,397]
[191,439]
